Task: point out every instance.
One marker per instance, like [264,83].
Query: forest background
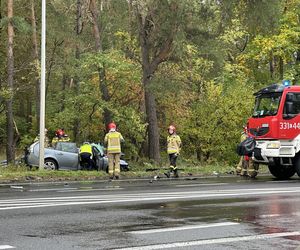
[144,64]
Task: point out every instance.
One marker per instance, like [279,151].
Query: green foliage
[133,129]
[217,118]
[21,25]
[5,93]
[3,22]
[222,52]
[26,140]
[260,16]
[122,77]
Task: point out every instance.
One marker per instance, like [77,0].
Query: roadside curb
[123,180]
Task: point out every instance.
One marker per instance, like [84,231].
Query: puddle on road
[274,214]
[263,215]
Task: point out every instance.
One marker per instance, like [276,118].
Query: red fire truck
[275,126]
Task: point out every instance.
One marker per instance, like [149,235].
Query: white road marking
[201,184]
[142,194]
[89,190]
[171,229]
[51,189]
[16,187]
[135,197]
[22,204]
[213,241]
[269,215]
[288,181]
[6,247]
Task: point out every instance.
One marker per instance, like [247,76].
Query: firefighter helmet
[112,125]
[59,133]
[172,127]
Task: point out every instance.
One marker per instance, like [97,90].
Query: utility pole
[43,89]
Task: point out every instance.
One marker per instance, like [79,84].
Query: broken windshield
[267,105]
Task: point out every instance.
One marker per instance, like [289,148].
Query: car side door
[67,155]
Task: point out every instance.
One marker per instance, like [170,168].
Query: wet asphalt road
[213,213]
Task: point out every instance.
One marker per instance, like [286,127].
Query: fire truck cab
[275,125]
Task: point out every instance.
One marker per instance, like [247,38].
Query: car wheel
[50,164]
[296,164]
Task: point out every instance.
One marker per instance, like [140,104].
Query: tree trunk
[63,89]
[153,131]
[150,103]
[51,63]
[297,76]
[98,46]
[149,65]
[271,64]
[36,63]
[199,154]
[10,146]
[29,114]
[96,26]
[0,11]
[131,18]
[78,28]
[207,156]
[281,70]
[1,80]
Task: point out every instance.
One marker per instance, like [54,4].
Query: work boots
[114,177]
[176,173]
[244,172]
[172,170]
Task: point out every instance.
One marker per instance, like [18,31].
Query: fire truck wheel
[282,172]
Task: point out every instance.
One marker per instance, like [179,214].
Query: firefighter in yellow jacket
[60,136]
[86,155]
[113,141]
[174,147]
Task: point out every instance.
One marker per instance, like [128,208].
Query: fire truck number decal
[287,125]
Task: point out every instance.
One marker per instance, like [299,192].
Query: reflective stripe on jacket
[113,141]
[243,136]
[174,144]
[61,139]
[86,148]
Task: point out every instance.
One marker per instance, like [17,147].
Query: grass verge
[137,170]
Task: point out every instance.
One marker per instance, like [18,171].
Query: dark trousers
[85,158]
[173,158]
[173,167]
